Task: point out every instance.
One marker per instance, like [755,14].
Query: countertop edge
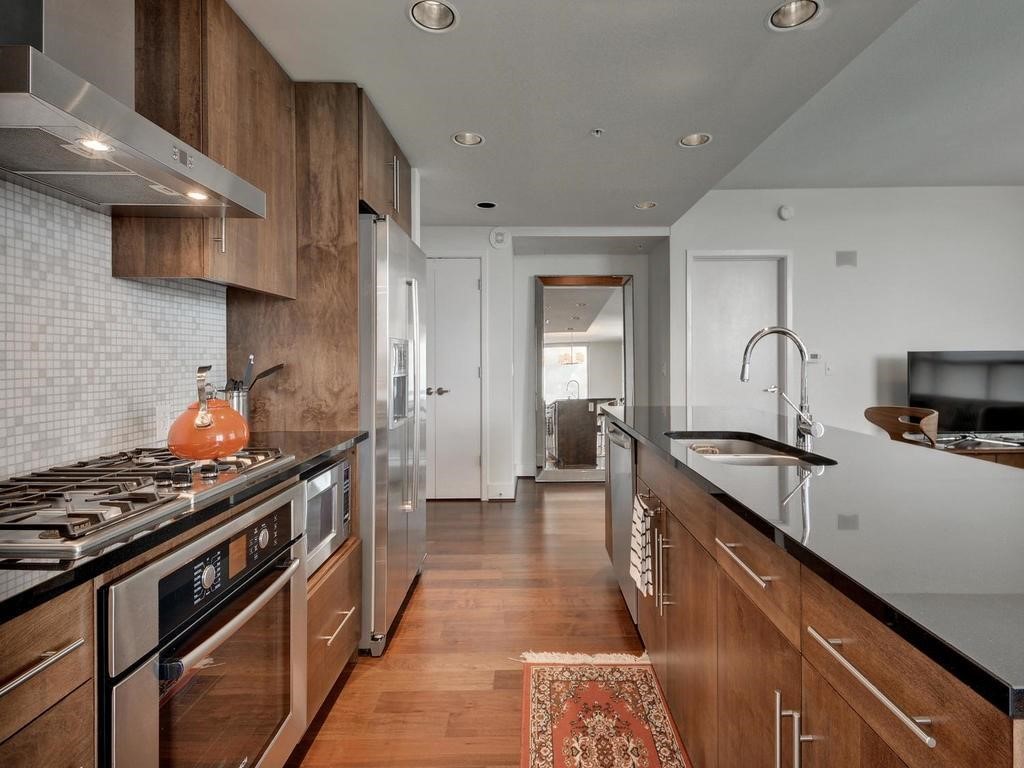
[62,581]
[1007,698]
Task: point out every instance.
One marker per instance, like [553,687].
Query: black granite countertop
[26,584]
[929,542]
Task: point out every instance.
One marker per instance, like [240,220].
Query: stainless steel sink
[747,450]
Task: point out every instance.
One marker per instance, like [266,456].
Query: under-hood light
[95,145]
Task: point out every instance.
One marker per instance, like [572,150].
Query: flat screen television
[974,392]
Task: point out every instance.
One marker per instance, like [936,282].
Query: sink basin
[747,449]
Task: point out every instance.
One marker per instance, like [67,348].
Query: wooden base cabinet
[691,630]
[333,621]
[833,735]
[61,737]
[758,685]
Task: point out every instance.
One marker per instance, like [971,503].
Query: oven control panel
[191,587]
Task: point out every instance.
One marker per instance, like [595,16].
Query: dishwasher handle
[619,437]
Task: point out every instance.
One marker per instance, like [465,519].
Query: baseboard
[501,491]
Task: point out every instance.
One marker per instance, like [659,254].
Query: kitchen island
[863,613]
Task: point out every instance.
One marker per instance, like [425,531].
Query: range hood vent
[46,112]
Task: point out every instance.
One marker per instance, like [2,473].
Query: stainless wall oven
[205,656]
[328,513]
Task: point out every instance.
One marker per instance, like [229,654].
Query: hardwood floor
[500,579]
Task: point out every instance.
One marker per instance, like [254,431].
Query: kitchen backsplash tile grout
[90,363]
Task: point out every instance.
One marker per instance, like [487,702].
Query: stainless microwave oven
[328,513]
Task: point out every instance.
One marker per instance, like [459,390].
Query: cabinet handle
[396,183]
[912,723]
[223,239]
[762,581]
[49,659]
[348,615]
[661,574]
[797,738]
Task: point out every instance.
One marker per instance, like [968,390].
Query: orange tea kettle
[209,429]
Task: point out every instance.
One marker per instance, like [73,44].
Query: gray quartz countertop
[929,542]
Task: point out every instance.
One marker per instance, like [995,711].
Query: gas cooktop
[71,511]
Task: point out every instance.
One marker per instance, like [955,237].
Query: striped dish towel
[640,550]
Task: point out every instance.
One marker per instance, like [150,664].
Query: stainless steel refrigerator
[392,468]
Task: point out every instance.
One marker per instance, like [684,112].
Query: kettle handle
[203,418]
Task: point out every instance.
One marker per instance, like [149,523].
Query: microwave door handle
[414,377]
[192,659]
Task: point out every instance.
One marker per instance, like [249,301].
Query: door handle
[430,390]
[443,391]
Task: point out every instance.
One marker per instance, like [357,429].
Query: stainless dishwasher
[621,480]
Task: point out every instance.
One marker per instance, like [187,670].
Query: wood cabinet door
[839,738]
[250,114]
[377,185]
[692,642]
[755,664]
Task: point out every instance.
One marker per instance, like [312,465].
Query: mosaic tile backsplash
[90,363]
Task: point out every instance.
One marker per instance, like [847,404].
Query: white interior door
[453,378]
[731,297]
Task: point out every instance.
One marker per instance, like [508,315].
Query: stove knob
[264,538]
[209,576]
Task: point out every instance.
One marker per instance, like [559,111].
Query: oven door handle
[194,657]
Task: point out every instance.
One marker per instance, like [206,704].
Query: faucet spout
[805,422]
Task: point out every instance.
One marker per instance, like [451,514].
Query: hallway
[500,579]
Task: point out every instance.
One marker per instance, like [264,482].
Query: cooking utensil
[247,377]
[264,374]
[210,428]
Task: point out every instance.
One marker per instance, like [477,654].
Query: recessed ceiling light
[581,303]
[793,14]
[95,145]
[597,133]
[197,195]
[486,205]
[433,15]
[695,140]
[467,139]
[645,205]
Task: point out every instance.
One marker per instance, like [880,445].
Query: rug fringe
[543,657]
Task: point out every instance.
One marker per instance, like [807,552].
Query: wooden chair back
[902,421]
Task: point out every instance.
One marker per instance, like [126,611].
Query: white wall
[496,270]
[604,368]
[939,268]
[659,337]
[526,268]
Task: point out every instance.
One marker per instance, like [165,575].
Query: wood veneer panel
[316,336]
[62,736]
[968,730]
[26,639]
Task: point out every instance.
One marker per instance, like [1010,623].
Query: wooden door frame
[484,362]
[784,272]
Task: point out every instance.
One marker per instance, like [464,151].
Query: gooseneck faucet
[806,426]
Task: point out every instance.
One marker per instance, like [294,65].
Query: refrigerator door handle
[414,376]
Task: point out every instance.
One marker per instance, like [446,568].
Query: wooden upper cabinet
[385,178]
[203,76]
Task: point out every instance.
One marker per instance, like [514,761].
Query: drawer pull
[348,615]
[49,659]
[912,723]
[762,581]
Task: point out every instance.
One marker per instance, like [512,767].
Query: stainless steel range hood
[47,112]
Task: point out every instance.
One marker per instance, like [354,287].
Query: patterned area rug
[602,711]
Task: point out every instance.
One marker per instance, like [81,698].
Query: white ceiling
[557,245]
[535,76]
[937,100]
[600,319]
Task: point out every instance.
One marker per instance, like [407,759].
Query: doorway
[729,296]
[584,337]
[453,321]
